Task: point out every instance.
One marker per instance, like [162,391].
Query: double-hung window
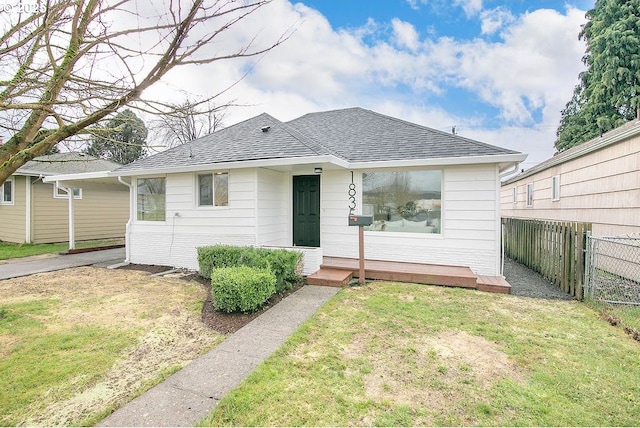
[213,189]
[6,192]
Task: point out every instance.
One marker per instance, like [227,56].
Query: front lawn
[400,354]
[77,343]
[12,251]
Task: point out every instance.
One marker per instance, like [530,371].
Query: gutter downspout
[127,232]
[27,210]
[28,207]
[509,171]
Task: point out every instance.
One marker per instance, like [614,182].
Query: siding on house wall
[173,242]
[274,207]
[102,213]
[12,217]
[602,188]
[470,223]
[259,213]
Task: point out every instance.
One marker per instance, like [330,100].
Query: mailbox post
[360,221]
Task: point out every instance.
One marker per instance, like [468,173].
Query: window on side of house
[213,189]
[555,188]
[151,199]
[530,194]
[60,193]
[6,192]
[403,201]
[514,195]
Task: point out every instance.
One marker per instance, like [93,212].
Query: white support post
[69,190]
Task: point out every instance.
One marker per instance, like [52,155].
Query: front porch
[338,271]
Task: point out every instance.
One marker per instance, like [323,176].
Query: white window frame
[373,229]
[61,193]
[215,204]
[530,195]
[514,195]
[137,212]
[555,188]
[13,192]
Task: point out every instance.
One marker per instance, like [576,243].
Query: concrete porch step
[330,277]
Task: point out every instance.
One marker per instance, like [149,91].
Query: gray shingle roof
[353,134]
[66,163]
[241,142]
[360,135]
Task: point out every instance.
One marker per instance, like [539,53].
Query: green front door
[306,210]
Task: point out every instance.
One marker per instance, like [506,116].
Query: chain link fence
[612,271]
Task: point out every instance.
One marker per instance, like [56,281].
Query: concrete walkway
[30,265]
[190,394]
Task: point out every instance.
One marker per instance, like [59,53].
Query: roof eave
[504,160]
[259,163]
[77,176]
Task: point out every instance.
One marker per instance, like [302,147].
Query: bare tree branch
[74,63]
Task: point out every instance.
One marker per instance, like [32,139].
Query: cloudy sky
[497,71]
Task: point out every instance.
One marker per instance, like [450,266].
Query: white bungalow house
[434,196]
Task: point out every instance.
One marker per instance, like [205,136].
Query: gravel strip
[528,283]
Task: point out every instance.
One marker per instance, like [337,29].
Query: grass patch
[79,343]
[391,354]
[44,363]
[626,317]
[12,251]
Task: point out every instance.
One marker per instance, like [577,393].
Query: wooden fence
[554,249]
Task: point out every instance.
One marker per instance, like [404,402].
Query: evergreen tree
[608,94]
[122,140]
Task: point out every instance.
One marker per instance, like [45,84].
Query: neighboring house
[434,196]
[596,182]
[32,211]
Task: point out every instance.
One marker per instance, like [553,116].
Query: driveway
[30,265]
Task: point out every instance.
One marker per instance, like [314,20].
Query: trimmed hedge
[241,288]
[286,265]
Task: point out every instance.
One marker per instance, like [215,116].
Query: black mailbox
[360,220]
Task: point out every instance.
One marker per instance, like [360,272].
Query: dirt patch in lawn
[163,315]
[439,371]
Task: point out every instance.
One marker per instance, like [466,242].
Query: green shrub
[286,265]
[218,256]
[241,288]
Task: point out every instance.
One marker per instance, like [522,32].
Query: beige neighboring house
[596,182]
[32,211]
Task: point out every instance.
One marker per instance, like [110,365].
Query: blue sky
[499,71]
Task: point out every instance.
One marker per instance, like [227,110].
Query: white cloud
[528,75]
[470,7]
[405,34]
[415,4]
[493,20]
[534,67]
